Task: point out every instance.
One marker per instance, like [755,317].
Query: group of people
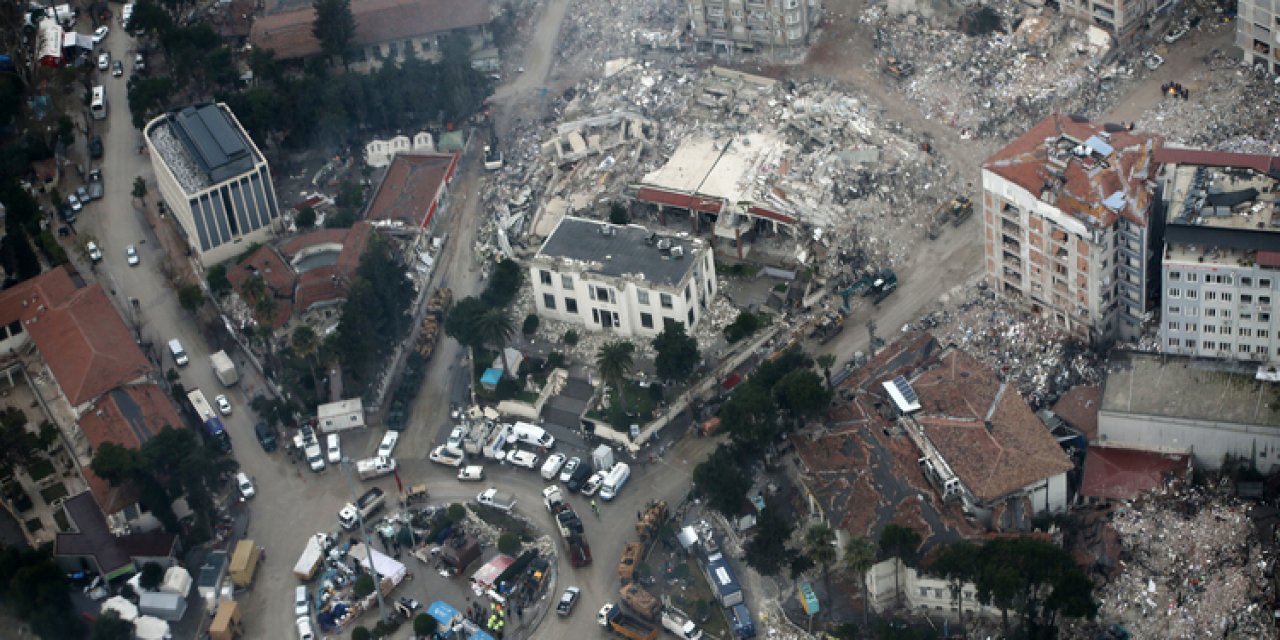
[1175,89]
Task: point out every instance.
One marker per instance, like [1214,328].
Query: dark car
[66,213]
[266,436]
[95,147]
[579,477]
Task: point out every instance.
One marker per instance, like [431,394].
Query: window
[1242,348]
[1191,294]
[604,294]
[1246,332]
[1175,292]
[1224,330]
[1264,317]
[691,317]
[570,305]
[1193,277]
[1191,344]
[1175,311]
[1226,313]
[1246,298]
[549,301]
[646,320]
[1265,283]
[1210,313]
[545,277]
[566,281]
[642,297]
[1193,311]
[1260,349]
[1174,342]
[1211,295]
[1246,281]
[1264,299]
[1226,297]
[924,592]
[1208,328]
[687,289]
[1174,276]
[1264,333]
[1173,326]
[1191,327]
[665,300]
[1224,346]
[1246,316]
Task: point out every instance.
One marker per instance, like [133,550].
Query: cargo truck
[625,625]
[497,499]
[224,368]
[244,563]
[371,468]
[570,526]
[309,562]
[365,506]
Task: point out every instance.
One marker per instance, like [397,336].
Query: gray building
[754,25]
[1170,403]
[1221,261]
[213,178]
[1123,19]
[1258,33]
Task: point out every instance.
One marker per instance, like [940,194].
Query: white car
[305,632]
[455,438]
[100,34]
[446,456]
[1175,34]
[95,254]
[569,467]
[525,459]
[388,444]
[104,61]
[301,602]
[75,203]
[131,254]
[245,485]
[602,616]
[551,467]
[473,473]
[593,484]
[1153,61]
[224,405]
[334,448]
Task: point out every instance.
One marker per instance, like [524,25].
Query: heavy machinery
[828,326]
[433,320]
[631,553]
[961,209]
[895,68]
[651,519]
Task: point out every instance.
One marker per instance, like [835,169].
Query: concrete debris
[1228,109]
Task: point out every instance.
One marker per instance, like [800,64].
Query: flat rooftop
[1223,207]
[1177,387]
[203,145]
[619,251]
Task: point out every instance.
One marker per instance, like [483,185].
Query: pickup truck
[371,468]
[497,499]
[367,505]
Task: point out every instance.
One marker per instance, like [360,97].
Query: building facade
[1123,19]
[1258,33]
[753,25]
[1068,231]
[621,279]
[213,178]
[1221,259]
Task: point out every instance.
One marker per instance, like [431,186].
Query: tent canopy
[386,566]
[177,580]
[127,610]
[149,628]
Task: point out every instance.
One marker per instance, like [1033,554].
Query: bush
[507,388]
[306,218]
[457,512]
[530,325]
[618,213]
[556,360]
[744,325]
[570,337]
[362,588]
[152,576]
[361,633]
[217,279]
[509,543]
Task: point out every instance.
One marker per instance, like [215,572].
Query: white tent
[177,580]
[387,567]
[149,628]
[127,610]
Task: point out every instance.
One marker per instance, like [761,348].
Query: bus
[98,105]
[212,424]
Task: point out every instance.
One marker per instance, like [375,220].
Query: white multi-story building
[623,279]
[1221,260]
[213,178]
[1066,211]
[1258,33]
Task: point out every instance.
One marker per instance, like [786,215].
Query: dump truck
[651,519]
[631,553]
[244,563]
[627,626]
[226,622]
[371,468]
[309,562]
[224,368]
[643,603]
[364,507]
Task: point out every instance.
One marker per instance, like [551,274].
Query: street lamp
[348,473]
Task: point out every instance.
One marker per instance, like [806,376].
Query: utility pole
[347,467]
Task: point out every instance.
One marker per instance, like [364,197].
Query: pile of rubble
[1190,568]
[597,31]
[1232,109]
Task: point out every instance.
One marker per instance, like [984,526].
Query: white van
[614,481]
[179,354]
[532,434]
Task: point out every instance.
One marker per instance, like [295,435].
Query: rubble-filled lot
[1190,567]
[1228,109]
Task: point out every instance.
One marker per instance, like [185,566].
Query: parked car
[551,468]
[266,436]
[525,459]
[301,603]
[569,467]
[117,68]
[131,253]
[224,405]
[100,34]
[455,438]
[67,213]
[305,632]
[593,484]
[104,61]
[1153,61]
[95,254]
[1175,34]
[95,147]
[334,448]
[474,473]
[82,194]
[245,485]
[139,62]
[567,600]
[74,203]
[388,444]
[446,456]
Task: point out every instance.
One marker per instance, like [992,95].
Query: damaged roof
[412,188]
[1117,473]
[622,251]
[127,416]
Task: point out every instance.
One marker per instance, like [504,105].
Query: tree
[360,632]
[677,352]
[425,625]
[362,587]
[462,322]
[334,26]
[859,556]
[504,283]
[744,325]
[1037,577]
[306,218]
[618,213]
[570,337]
[802,396]
[820,547]
[614,361]
[16,442]
[530,326]
[190,296]
[750,417]
[115,463]
[495,328]
[109,626]
[903,543]
[217,278]
[34,589]
[767,550]
[509,543]
[152,576]
[723,480]
[958,563]
[826,361]
[457,513]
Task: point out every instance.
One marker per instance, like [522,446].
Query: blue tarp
[443,612]
[491,378]
[480,635]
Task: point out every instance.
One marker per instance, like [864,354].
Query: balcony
[1012,259]
[1009,226]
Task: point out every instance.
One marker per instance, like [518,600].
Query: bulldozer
[961,209]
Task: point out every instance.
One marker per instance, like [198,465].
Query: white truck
[309,561]
[224,368]
[679,624]
[306,441]
[497,499]
[371,468]
[367,505]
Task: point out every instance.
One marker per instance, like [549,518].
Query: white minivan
[613,482]
[179,354]
[532,434]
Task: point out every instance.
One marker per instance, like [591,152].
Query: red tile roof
[293,246]
[78,332]
[1079,407]
[268,264]
[318,286]
[412,188]
[127,416]
[353,247]
[1269,258]
[679,200]
[1084,183]
[1257,162]
[1123,474]
[289,33]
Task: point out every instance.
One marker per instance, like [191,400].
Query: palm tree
[307,345]
[614,362]
[897,541]
[859,555]
[819,546]
[825,361]
[496,329]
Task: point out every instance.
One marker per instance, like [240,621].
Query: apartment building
[1068,231]
[213,178]
[1221,260]
[753,25]
[621,279]
[1258,33]
[1123,19]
